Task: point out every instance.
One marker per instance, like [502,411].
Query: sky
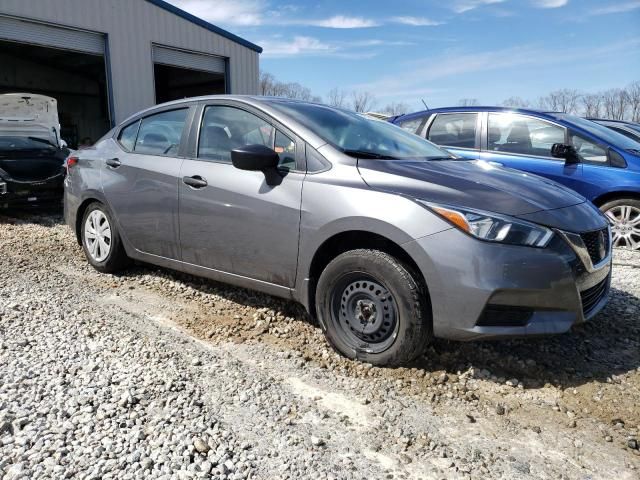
[439,51]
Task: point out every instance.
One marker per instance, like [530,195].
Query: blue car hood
[468,183]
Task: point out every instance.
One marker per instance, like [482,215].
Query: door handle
[113,162]
[195,182]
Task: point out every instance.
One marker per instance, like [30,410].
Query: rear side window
[454,130]
[160,133]
[513,133]
[411,125]
[226,128]
[127,137]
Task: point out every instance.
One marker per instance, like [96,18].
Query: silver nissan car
[386,239]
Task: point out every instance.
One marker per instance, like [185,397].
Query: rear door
[524,142]
[140,180]
[457,132]
[236,221]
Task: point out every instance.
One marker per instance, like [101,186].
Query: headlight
[493,227]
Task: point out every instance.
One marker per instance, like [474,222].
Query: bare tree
[633,99]
[614,103]
[268,85]
[468,102]
[362,101]
[516,102]
[337,98]
[396,108]
[564,100]
[592,105]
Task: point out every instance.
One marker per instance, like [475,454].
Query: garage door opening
[174,83]
[78,81]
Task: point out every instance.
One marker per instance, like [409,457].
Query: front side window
[286,150]
[226,128]
[454,130]
[513,133]
[127,137]
[160,133]
[411,125]
[588,150]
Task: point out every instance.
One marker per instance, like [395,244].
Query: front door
[241,222]
[140,181]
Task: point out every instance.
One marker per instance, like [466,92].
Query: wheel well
[80,214]
[345,241]
[608,197]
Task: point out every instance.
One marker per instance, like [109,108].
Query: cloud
[549,3]
[296,47]
[616,8]
[422,71]
[229,12]
[341,21]
[461,6]
[416,21]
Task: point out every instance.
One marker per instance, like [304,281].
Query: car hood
[472,184]
[29,115]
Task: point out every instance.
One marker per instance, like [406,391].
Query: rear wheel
[100,240]
[373,308]
[624,217]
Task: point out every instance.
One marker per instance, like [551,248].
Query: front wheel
[624,217]
[373,308]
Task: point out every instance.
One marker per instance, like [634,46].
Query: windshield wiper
[42,140]
[435,159]
[367,154]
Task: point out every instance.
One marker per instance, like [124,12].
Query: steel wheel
[625,226]
[97,235]
[365,313]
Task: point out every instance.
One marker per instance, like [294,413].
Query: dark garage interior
[76,80]
[174,83]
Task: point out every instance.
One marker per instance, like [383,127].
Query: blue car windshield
[602,132]
[360,136]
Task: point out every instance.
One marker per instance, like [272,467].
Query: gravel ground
[154,374]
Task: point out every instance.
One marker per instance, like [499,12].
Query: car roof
[527,111]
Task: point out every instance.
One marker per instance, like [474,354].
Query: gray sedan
[385,238]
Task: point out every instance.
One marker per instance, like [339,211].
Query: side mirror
[568,152]
[254,158]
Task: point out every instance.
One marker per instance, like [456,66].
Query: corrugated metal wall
[131,27]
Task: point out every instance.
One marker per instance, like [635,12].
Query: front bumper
[20,194]
[488,290]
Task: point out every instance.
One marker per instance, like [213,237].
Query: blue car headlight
[493,227]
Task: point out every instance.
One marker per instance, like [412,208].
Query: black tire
[361,283]
[630,233]
[116,259]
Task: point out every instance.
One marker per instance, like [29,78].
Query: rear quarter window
[128,134]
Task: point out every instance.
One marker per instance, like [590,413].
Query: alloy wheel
[97,235]
[365,312]
[625,226]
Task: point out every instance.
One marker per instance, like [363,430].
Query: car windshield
[602,132]
[359,136]
[24,143]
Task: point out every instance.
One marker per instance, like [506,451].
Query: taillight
[71,162]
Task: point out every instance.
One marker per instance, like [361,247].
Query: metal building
[106,59]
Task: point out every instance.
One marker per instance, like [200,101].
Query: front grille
[597,244]
[592,296]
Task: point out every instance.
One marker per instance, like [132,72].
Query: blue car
[597,162]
